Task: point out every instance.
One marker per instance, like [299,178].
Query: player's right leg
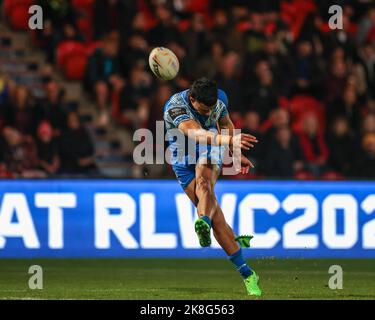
[187,179]
[226,238]
[201,192]
[205,178]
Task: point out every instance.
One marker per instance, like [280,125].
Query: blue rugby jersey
[178,109]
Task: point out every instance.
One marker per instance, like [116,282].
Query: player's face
[200,107]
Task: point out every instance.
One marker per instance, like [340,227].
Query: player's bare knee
[203,186]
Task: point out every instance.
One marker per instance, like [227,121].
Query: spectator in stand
[51,108]
[228,79]
[135,50]
[46,38]
[4,101]
[76,149]
[370,106]
[252,126]
[262,96]
[261,53]
[254,37]
[131,105]
[368,124]
[196,37]
[56,14]
[280,64]
[70,33]
[349,107]
[224,32]
[161,96]
[307,69]
[365,162]
[182,80]
[279,118]
[139,23]
[21,115]
[366,27]
[283,156]
[367,60]
[113,15]
[165,30]
[4,172]
[336,80]
[312,142]
[47,149]
[342,38]
[102,71]
[209,64]
[341,145]
[20,154]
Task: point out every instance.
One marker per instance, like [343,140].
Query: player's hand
[246,164]
[244,141]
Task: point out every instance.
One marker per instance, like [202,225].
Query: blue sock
[239,261]
[207,220]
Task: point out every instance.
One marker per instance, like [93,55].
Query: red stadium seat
[301,105]
[294,12]
[67,49]
[371,35]
[72,59]
[332,175]
[183,25]
[19,18]
[270,28]
[85,28]
[9,5]
[243,26]
[75,67]
[201,6]
[304,175]
[147,15]
[83,4]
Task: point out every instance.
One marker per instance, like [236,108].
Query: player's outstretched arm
[194,131]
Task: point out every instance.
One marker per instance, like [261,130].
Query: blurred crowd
[42,137]
[306,91]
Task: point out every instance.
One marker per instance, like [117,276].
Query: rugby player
[201,115]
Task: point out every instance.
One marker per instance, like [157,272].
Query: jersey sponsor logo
[175,112]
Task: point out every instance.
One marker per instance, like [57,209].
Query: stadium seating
[75,66]
[301,105]
[71,58]
[18,13]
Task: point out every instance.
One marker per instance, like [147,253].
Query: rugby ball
[163,63]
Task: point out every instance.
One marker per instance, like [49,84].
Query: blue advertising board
[105,218]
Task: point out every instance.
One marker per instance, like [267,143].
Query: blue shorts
[185,172]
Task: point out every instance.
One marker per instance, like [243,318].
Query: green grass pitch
[183,279]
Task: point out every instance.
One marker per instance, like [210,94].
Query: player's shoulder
[222,96]
[178,99]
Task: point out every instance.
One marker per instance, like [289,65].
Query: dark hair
[204,91]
